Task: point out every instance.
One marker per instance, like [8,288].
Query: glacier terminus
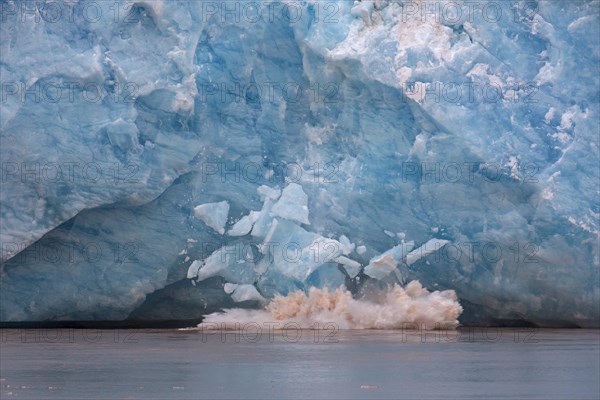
[164,160]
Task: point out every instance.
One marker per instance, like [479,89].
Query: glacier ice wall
[337,134]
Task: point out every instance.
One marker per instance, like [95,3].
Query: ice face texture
[473,131]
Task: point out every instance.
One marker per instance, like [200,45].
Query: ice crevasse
[232,158]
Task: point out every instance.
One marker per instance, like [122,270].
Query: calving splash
[392,308]
[308,285]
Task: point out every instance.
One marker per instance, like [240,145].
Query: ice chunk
[263,220]
[230,287]
[347,246]
[193,269]
[382,265]
[431,246]
[245,224]
[295,252]
[267,192]
[363,9]
[241,227]
[361,250]
[233,262]
[246,293]
[292,205]
[352,267]
[213,215]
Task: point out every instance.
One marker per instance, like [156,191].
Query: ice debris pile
[447,142]
[281,256]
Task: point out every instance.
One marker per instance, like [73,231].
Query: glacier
[163,160]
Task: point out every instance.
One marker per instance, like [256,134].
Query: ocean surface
[259,362]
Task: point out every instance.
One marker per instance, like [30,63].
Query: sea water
[259,361]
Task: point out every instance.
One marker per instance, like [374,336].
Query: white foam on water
[392,308]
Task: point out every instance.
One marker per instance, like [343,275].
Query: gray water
[300,364]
